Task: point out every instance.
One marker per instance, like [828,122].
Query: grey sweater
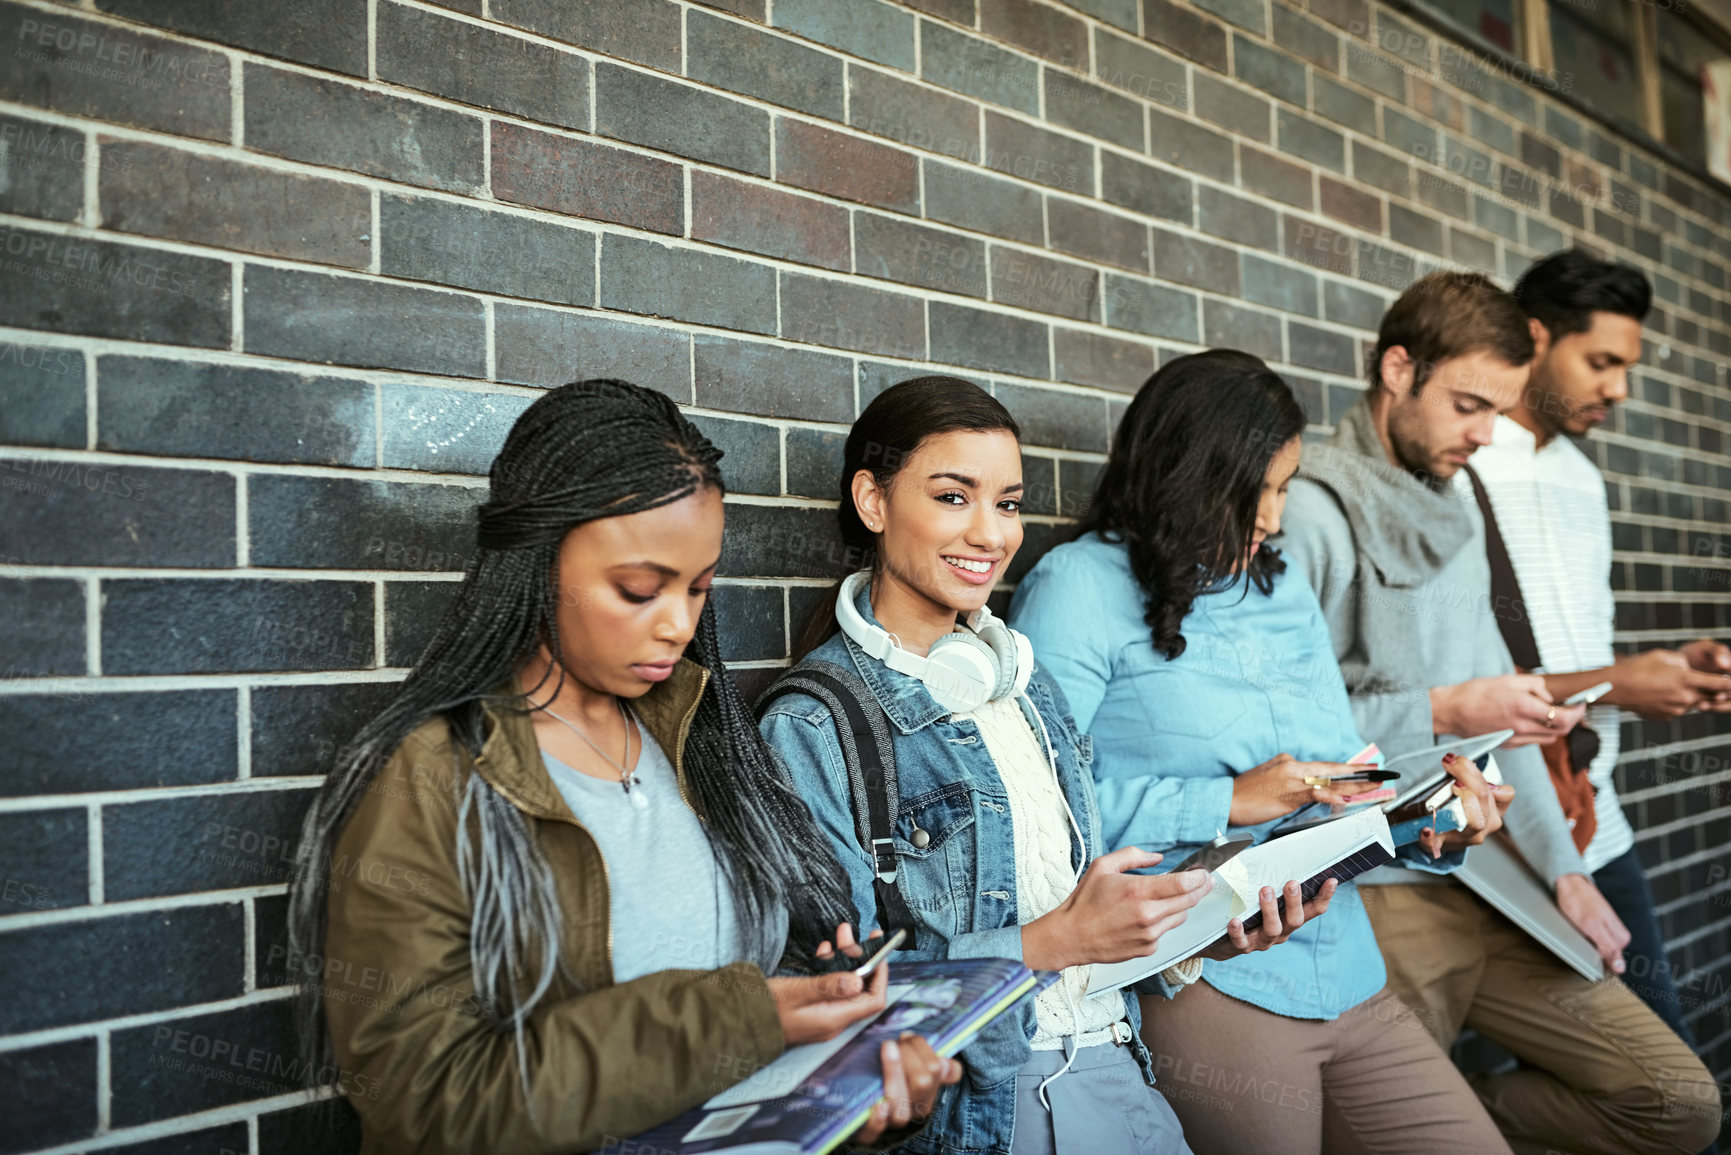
[1401,572]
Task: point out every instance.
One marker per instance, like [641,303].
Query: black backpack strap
[869,753]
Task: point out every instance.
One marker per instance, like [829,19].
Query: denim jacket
[1257,678]
[961,885]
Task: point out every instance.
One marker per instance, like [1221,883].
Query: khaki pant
[1245,1081]
[1602,1072]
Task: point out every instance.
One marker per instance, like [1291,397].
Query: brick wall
[275,278]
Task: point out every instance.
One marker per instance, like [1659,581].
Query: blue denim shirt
[960,886]
[1257,678]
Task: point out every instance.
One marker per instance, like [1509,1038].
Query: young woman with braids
[538,896]
[1206,678]
[996,833]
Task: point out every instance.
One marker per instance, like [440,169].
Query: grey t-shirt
[668,901]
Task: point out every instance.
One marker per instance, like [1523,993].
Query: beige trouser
[1245,1081]
[1602,1072]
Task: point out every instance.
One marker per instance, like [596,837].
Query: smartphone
[865,969]
[1588,696]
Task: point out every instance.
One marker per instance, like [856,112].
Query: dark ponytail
[891,429]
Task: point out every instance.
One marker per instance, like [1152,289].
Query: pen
[1362,776]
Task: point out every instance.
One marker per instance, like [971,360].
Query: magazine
[812,1098]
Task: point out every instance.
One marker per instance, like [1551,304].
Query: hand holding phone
[1588,696]
[895,940]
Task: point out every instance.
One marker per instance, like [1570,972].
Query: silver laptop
[1495,873]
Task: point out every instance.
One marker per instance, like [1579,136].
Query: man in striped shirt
[1550,505]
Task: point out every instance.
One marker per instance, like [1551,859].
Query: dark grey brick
[149,1085]
[41,395]
[546,348]
[979,68]
[297,730]
[1343,105]
[1119,12]
[42,627]
[1487,128]
[313,1126]
[224,1140]
[444,430]
[1321,246]
[585,179]
[956,11]
[1268,69]
[44,857]
[1240,113]
[916,254]
[69,64]
[1366,66]
[1188,261]
[814,461]
[883,105]
[705,288]
[1349,305]
[1189,146]
[1390,268]
[1402,39]
[1097,359]
[1039,481]
[1244,13]
[51,1095]
[1085,231]
[1264,173]
[761,219]
[183,196]
[1407,227]
[1143,188]
[1137,68]
[646,31]
[329,34]
[1536,153]
[848,315]
[846,166]
[680,118]
[1147,307]
[1320,349]
[1279,286]
[1032,153]
[1079,480]
[413,610]
[423,239]
[1472,251]
[1056,418]
[753,453]
[100,289]
[1444,195]
[1030,281]
[1232,218]
[88,513]
[1543,238]
[202,842]
[1409,135]
[1039,29]
[475,65]
[973,199]
[81,972]
[758,63]
[1089,108]
[44,169]
[180,409]
[979,339]
[783,541]
[1235,327]
[1180,29]
[336,523]
[1305,38]
[1309,140]
[753,377]
[373,324]
[1379,169]
[68,743]
[209,626]
[290,114]
[864,28]
[750,621]
[1604,150]
[1463,160]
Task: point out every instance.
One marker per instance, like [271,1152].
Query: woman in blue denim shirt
[1205,676]
[996,833]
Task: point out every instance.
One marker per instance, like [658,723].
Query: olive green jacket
[424,1069]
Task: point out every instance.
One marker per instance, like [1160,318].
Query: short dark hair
[1565,289]
[1449,314]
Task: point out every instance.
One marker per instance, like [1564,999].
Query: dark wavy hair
[584,451]
[891,429]
[1565,289]
[1183,479]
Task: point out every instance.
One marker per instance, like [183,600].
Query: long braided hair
[588,450]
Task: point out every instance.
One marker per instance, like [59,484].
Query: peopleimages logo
[61,259]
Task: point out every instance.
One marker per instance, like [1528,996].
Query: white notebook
[1342,849]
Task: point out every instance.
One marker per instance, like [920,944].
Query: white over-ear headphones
[963,670]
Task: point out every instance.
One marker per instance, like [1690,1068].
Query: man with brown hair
[1383,522]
